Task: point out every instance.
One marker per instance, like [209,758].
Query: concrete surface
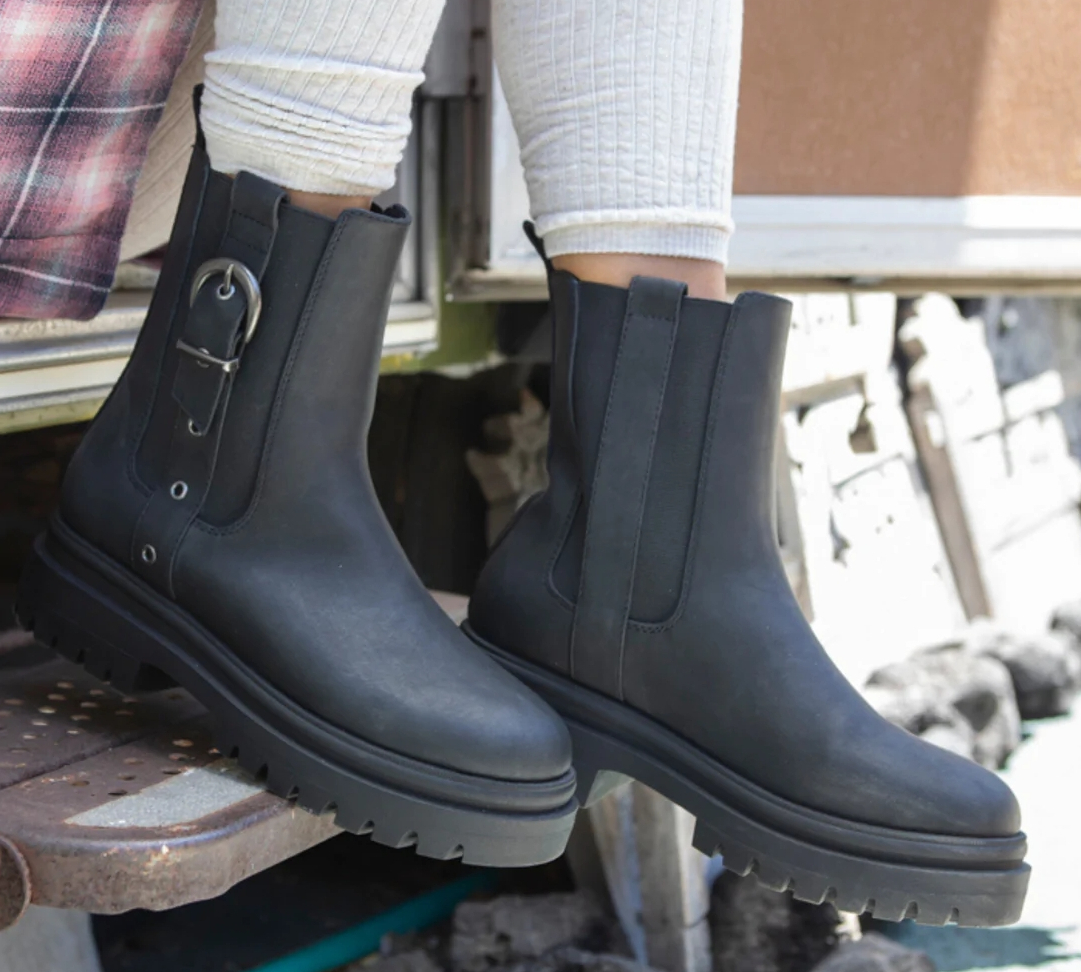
[1046,775]
[49,940]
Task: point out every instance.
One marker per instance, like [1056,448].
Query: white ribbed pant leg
[625,109]
[626,115]
[315,94]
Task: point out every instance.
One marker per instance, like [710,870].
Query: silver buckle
[205,359]
[233,271]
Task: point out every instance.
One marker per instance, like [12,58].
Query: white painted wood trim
[48,364]
[891,236]
[1021,238]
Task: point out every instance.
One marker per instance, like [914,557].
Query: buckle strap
[618,495]
[226,300]
[228,365]
[225,304]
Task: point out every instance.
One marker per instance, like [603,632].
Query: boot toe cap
[519,737]
[904,782]
[965,798]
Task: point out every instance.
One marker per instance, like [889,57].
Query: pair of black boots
[219,529]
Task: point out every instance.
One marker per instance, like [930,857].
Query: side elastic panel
[621,473]
[105,481]
[301,241]
[676,471]
[600,319]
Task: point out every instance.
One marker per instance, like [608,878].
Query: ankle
[704,278]
[326,204]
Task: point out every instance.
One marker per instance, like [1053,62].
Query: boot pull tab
[197,107]
[538,244]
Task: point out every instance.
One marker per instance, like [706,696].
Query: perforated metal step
[110,802]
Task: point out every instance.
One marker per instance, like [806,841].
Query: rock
[1046,669]
[957,737]
[413,961]
[758,930]
[515,463]
[875,953]
[570,959]
[514,928]
[969,694]
[1067,617]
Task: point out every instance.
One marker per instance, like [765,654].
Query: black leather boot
[643,595]
[218,525]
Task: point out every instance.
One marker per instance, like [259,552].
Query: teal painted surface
[363,939]
[1048,936]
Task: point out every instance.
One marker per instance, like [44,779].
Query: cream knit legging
[625,109]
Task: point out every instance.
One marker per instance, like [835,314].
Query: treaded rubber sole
[89,620]
[932,879]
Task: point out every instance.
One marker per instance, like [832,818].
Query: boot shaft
[689,438]
[256,298]
[664,414]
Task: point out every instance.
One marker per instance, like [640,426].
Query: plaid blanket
[82,85]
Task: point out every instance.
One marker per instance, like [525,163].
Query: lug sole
[87,619]
[979,883]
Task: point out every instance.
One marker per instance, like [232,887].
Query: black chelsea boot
[643,595]
[218,527]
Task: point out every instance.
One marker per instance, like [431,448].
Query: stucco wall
[911,97]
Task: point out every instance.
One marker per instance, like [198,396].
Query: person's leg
[223,487]
[626,114]
[316,96]
[643,593]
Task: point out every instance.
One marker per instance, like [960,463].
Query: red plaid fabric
[82,85]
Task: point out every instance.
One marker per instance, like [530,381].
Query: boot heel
[68,619]
[595,762]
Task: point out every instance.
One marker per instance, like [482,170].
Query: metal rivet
[178,490]
[226,288]
[149,554]
[194,429]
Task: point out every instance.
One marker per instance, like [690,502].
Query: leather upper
[714,645]
[287,558]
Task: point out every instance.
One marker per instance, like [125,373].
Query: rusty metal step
[110,802]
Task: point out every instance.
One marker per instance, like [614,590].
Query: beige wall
[911,97]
